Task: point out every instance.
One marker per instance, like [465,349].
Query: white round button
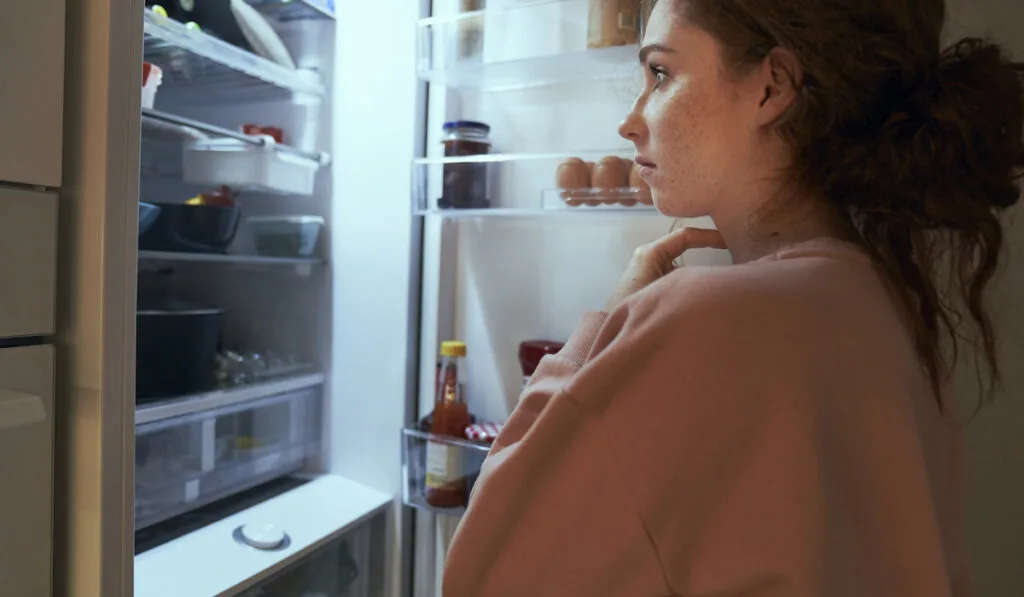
[263,535]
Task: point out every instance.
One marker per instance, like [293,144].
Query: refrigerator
[298,468]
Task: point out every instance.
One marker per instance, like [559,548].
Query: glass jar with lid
[465,185]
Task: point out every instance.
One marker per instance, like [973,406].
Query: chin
[674,205]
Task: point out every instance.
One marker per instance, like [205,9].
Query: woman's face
[694,125]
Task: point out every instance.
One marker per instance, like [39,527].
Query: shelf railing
[199,68]
[186,405]
[217,131]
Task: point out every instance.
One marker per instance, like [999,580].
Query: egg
[572,174]
[609,173]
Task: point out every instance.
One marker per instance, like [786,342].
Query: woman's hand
[652,261]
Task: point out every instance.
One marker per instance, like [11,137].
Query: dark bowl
[192,228]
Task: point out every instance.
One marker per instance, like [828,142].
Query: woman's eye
[659,75]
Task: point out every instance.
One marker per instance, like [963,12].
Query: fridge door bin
[186,462]
[237,164]
[469,456]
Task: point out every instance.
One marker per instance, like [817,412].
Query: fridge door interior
[32,92]
[28,271]
[26,469]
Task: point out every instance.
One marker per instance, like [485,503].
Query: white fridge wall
[376,129]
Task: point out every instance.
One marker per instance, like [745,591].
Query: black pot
[176,351]
[191,229]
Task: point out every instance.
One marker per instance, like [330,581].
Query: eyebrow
[648,49]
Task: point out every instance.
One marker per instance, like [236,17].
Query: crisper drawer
[186,462]
[26,469]
[28,262]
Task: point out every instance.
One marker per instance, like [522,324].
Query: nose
[632,126]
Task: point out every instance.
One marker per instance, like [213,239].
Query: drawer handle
[18,409]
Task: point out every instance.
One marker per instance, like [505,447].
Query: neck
[755,233]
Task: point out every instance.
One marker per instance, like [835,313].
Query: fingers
[673,245]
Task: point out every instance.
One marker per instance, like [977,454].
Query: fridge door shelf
[478,50]
[497,185]
[189,461]
[295,10]
[201,69]
[414,464]
[242,165]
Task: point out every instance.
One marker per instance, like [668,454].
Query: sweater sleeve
[546,516]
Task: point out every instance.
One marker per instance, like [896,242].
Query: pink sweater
[757,430]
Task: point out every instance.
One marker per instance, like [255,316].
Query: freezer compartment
[185,462]
[503,44]
[468,456]
[529,184]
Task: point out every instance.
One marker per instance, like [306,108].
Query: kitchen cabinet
[32,93]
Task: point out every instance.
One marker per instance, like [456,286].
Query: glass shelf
[499,185]
[414,464]
[228,259]
[295,10]
[521,45]
[201,69]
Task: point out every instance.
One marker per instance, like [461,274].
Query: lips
[644,163]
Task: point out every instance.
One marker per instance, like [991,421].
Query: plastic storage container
[414,466]
[285,236]
[238,164]
[186,462]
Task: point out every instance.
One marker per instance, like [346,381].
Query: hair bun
[975,106]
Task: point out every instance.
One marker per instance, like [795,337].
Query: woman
[778,427]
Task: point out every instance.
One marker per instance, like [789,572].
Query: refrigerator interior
[247,454]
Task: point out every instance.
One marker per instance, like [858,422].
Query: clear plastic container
[285,236]
[237,164]
[189,461]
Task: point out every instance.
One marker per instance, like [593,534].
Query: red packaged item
[483,432]
[532,351]
[271,131]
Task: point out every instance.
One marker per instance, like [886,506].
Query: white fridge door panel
[28,262]
[26,470]
[32,92]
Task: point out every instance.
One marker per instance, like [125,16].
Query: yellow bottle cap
[453,349]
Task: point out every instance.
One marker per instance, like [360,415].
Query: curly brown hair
[918,149]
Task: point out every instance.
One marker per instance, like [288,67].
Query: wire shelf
[295,10]
[201,69]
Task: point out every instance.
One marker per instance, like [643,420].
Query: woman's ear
[780,79]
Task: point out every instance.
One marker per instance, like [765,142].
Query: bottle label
[444,465]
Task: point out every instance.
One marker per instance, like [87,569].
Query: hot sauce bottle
[446,480]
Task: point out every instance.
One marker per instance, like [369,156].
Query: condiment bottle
[446,480]
[613,23]
[465,185]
